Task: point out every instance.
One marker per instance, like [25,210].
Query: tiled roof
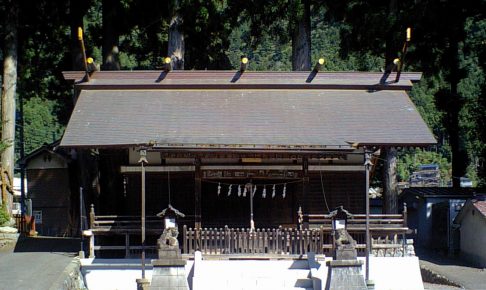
[442,191]
[480,205]
[248,118]
[236,80]
[477,203]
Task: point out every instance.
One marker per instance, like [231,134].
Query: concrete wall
[473,237]
[116,274]
[400,273]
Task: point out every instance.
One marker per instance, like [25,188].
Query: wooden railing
[387,235]
[226,240]
[121,225]
[380,224]
[281,241]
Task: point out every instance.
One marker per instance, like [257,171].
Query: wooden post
[91,246]
[197,193]
[92,217]
[142,161]
[305,192]
[390,186]
[127,245]
[405,215]
[367,164]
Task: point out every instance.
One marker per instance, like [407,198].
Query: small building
[428,175]
[472,226]
[431,211]
[48,187]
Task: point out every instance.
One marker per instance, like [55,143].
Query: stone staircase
[252,275]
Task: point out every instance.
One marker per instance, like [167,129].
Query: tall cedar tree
[9,87]
[176,48]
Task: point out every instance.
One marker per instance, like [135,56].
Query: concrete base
[169,278]
[401,273]
[345,274]
[143,284]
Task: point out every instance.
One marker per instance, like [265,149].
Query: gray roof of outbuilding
[451,192]
[245,118]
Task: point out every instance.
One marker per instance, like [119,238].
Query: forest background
[448,45]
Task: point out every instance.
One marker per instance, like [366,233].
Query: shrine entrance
[226,202]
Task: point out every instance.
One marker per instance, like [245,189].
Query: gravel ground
[454,270]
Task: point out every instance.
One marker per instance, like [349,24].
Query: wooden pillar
[390,186]
[305,192]
[197,193]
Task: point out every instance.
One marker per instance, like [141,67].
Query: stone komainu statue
[169,237]
[343,238]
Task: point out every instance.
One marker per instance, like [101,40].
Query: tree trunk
[110,36]
[176,37]
[301,37]
[389,155]
[390,186]
[459,154]
[77,10]
[391,48]
[8,92]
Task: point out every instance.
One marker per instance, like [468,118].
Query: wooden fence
[260,241]
[25,224]
[286,241]
[387,233]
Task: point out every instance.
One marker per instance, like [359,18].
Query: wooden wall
[341,188]
[50,192]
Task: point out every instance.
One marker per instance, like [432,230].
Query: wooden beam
[305,192]
[197,192]
[158,168]
[351,167]
[191,168]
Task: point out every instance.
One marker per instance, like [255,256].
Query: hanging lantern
[264,193]
[284,190]
[244,192]
[219,188]
[273,191]
[239,190]
[229,189]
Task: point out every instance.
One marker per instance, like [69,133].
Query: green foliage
[273,50]
[40,123]
[268,54]
[350,35]
[4,216]
[409,161]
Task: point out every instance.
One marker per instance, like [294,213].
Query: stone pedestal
[143,284]
[347,252]
[169,269]
[345,275]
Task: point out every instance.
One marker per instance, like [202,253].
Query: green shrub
[4,216]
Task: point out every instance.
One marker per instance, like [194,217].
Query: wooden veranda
[387,235]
